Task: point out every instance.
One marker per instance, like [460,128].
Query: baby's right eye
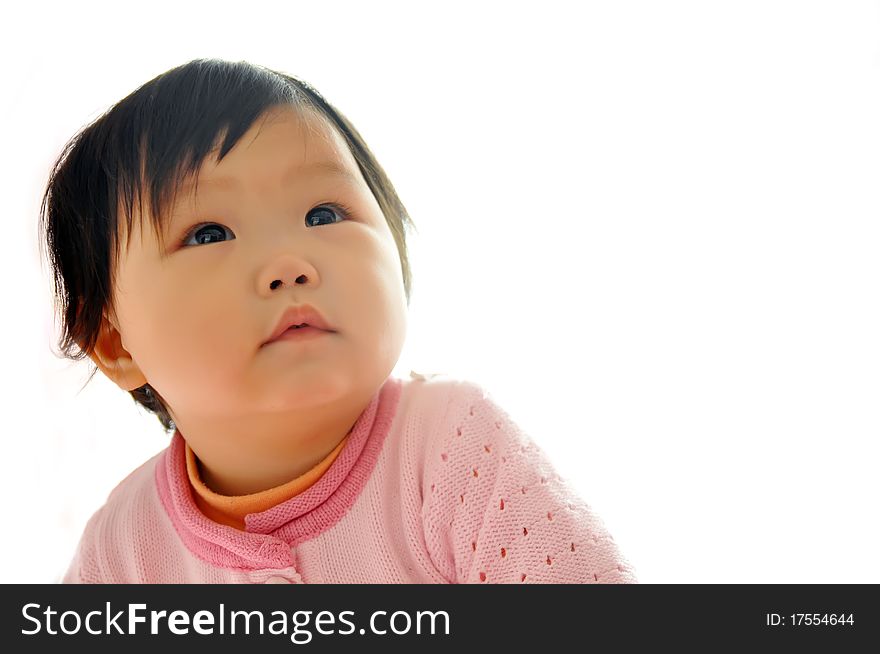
[203,233]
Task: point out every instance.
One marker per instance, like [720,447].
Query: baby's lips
[299,315]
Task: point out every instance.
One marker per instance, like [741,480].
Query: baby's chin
[299,390]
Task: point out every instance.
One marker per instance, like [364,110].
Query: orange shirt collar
[231,509]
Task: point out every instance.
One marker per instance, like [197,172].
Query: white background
[649,229]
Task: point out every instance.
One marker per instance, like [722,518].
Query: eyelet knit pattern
[497,512]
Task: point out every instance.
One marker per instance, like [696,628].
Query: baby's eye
[327,210]
[209,232]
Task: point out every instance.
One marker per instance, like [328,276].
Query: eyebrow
[231,183]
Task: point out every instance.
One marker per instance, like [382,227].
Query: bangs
[177,122]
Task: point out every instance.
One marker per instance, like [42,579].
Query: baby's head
[186,220]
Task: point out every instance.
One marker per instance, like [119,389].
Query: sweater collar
[269,535]
[232,509]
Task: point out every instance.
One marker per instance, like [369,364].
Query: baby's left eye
[327,210]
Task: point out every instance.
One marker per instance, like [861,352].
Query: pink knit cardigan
[436,484]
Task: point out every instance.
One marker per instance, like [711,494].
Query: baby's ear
[114,360]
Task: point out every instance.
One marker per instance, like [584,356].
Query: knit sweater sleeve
[83,568]
[495,511]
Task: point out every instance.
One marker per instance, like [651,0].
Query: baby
[258,307]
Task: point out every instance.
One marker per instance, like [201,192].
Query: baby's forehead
[323,148]
[310,138]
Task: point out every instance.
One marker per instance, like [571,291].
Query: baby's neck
[261,455]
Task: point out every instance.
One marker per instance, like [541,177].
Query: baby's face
[194,318]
